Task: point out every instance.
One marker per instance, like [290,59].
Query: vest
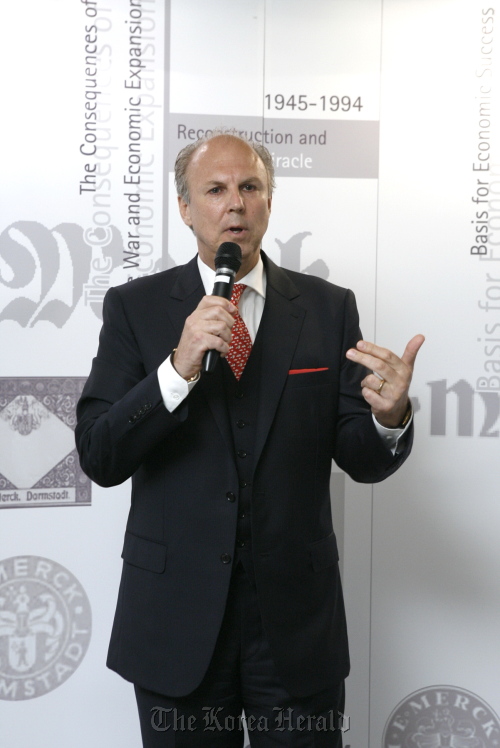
[242,399]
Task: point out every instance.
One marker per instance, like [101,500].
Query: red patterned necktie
[241,342]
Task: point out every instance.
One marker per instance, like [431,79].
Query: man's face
[229,199]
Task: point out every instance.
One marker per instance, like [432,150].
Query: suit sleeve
[358,448]
[121,416]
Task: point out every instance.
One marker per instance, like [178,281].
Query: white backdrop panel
[420,558]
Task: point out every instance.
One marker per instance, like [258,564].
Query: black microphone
[227,264]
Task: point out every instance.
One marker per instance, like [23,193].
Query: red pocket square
[306,371]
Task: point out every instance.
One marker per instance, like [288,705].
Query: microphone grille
[228,256]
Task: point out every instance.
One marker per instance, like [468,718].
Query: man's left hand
[386,390]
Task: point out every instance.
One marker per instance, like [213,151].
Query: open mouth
[236,230]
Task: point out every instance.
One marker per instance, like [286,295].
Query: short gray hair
[184,157]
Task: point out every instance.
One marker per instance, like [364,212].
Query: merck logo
[46,272]
[477,410]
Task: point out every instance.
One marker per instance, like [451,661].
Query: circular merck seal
[45,626]
[442,716]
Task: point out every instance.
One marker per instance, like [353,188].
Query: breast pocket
[305,378]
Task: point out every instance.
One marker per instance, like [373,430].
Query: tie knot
[238,289]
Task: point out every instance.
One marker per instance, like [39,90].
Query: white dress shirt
[174,389]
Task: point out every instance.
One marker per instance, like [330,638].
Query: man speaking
[230,598]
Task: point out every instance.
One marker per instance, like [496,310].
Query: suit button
[225,558]
[148,406]
[240,424]
[241,453]
[243,484]
[133,419]
[230,496]
[238,394]
[142,410]
[242,515]
[240,543]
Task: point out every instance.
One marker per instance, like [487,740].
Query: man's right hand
[208,328]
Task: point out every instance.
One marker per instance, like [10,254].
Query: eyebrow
[218,182]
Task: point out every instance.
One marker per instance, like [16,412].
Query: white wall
[384,206]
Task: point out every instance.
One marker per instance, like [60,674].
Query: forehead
[224,158]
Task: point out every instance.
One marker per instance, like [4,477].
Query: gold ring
[379,388]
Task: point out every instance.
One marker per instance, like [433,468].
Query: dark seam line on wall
[264,65]
[166,135]
[376,340]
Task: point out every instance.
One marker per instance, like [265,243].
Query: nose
[236,204]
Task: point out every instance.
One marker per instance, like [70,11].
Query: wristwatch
[407,415]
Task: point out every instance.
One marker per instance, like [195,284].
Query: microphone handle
[225,290]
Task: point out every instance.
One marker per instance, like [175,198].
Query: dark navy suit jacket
[174,584]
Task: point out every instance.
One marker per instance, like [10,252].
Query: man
[230,596]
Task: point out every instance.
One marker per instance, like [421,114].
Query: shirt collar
[255,279]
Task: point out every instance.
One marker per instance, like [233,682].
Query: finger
[216,330]
[209,318]
[190,351]
[386,400]
[220,330]
[217,301]
[373,399]
[203,325]
[374,357]
[382,354]
[218,343]
[381,368]
[196,346]
[374,383]
[412,349]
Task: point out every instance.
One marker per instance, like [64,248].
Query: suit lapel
[280,329]
[185,295]
[279,332]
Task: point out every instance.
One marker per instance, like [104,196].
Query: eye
[249,187]
[214,191]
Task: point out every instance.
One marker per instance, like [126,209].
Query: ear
[185,211]
[269,201]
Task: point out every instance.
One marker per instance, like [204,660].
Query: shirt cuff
[174,389]
[392,438]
